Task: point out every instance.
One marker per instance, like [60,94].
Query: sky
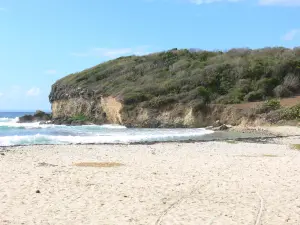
[42,41]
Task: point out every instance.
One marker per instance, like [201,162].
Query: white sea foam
[4,119]
[112,126]
[14,133]
[25,125]
[8,122]
[114,138]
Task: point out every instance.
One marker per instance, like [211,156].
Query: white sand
[201,183]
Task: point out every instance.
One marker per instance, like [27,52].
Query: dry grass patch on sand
[296,146]
[231,142]
[98,164]
[269,155]
[264,155]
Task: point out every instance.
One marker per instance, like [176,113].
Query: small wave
[25,125]
[14,123]
[112,126]
[11,120]
[4,119]
[117,138]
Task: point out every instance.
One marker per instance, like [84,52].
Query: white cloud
[291,35]
[200,2]
[280,2]
[1,94]
[33,92]
[112,52]
[52,72]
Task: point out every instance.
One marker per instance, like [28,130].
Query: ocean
[13,133]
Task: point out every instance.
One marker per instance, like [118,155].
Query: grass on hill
[192,77]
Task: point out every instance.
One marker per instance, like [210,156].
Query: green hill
[193,77]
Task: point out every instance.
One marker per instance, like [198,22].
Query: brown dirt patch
[285,102]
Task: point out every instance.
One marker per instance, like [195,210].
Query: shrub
[180,65]
[157,102]
[282,91]
[134,98]
[244,85]
[79,79]
[272,104]
[234,96]
[291,113]
[269,105]
[203,93]
[291,82]
[253,96]
[266,85]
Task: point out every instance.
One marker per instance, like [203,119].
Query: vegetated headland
[184,88]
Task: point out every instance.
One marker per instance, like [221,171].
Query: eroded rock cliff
[67,103]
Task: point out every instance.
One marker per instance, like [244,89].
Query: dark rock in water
[221,128]
[78,123]
[38,191]
[224,127]
[70,122]
[59,121]
[26,119]
[39,116]
[46,122]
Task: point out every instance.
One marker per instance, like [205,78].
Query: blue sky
[42,40]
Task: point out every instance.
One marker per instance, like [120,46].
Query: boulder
[221,128]
[39,116]
[26,119]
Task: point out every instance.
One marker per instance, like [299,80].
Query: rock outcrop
[67,103]
[39,116]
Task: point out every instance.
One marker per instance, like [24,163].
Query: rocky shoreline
[46,118]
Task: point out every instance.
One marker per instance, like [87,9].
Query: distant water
[14,133]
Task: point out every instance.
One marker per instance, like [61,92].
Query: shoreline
[261,133]
[242,140]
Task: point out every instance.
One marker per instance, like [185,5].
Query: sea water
[14,133]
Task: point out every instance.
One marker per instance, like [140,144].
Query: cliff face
[67,102]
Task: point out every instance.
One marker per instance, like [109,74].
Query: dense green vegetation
[268,106]
[292,113]
[195,77]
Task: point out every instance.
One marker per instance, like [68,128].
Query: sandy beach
[167,183]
